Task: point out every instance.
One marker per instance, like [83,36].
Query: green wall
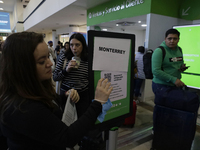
[119,9]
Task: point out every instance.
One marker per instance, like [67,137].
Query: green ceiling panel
[166,7]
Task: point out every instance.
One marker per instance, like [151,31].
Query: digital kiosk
[111,55]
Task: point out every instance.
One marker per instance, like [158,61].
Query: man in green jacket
[167,71]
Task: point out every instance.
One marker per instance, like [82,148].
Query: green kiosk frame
[123,77]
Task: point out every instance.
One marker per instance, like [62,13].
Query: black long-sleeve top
[39,127]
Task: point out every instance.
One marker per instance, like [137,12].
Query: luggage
[173,129]
[177,98]
[131,120]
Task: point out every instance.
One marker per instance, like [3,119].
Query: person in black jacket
[30,114]
[3,140]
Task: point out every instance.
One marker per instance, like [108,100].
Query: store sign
[3,34]
[124,5]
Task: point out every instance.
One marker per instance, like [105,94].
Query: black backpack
[147,62]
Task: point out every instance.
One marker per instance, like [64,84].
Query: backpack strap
[180,50]
[163,52]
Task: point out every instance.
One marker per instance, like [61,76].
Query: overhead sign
[120,9]
[189,10]
[117,9]
[3,34]
[4,22]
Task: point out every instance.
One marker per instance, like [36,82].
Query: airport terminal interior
[69,16]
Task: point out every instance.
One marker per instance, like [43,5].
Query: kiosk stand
[112,141]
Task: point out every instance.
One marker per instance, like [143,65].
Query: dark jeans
[137,86]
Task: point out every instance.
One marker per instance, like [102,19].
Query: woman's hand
[71,65]
[74,96]
[103,91]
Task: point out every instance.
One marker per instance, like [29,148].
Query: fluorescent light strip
[143,25]
[1,1]
[1,8]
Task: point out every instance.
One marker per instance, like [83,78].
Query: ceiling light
[143,25]
[139,21]
[126,23]
[105,29]
[117,25]
[64,36]
[1,8]
[4,38]
[1,1]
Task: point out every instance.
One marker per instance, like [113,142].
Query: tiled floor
[141,134]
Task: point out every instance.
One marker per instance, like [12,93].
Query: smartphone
[186,67]
[183,68]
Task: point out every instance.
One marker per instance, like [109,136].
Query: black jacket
[38,127]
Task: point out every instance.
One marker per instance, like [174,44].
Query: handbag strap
[65,62]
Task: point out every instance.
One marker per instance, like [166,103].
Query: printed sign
[111,54]
[118,82]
